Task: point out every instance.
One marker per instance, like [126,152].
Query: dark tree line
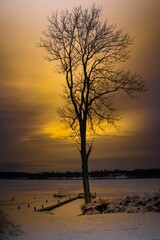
[103,174]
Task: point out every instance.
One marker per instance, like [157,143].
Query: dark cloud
[39,153]
[127,152]
[19,120]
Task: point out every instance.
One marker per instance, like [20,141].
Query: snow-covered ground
[65,222]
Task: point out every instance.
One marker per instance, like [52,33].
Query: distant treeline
[103,174]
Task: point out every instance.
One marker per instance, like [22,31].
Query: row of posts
[19,207]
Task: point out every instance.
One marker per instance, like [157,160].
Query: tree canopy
[88,51]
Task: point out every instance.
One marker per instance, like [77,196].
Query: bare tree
[88,51]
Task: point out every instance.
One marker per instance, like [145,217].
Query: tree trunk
[84,157]
[86,186]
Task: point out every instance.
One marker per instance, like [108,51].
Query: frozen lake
[105,188]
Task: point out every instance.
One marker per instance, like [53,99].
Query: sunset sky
[32,139]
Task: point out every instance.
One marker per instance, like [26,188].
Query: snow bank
[129,204]
[8,229]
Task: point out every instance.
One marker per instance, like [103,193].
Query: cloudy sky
[31,135]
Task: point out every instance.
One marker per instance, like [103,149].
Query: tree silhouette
[88,51]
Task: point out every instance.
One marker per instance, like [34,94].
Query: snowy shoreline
[67,223]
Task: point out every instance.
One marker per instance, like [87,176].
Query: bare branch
[87,51]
